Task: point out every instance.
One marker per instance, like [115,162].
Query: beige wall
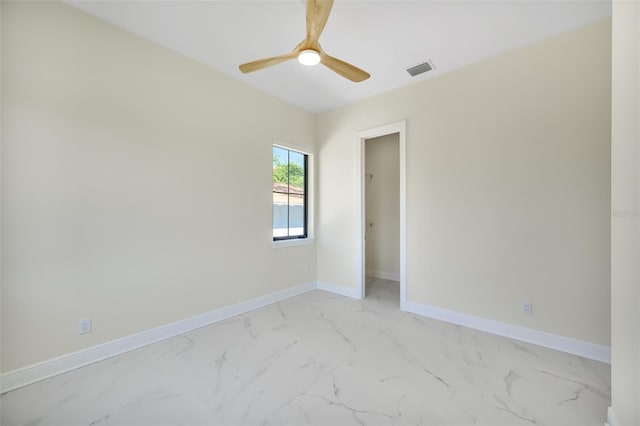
[116,157]
[625,207]
[136,185]
[382,195]
[508,185]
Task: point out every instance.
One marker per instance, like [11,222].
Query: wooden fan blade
[267,62]
[317,14]
[346,70]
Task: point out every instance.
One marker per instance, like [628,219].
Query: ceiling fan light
[309,57]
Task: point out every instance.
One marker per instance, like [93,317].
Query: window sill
[293,243]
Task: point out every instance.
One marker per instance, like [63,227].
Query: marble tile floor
[324,359]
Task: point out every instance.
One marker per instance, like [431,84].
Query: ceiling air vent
[419,69]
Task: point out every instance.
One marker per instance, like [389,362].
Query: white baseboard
[384,275]
[553,341]
[354,293]
[612,420]
[43,370]
[52,367]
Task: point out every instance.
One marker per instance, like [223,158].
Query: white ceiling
[381,37]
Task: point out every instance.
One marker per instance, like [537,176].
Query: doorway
[382,218]
[381,183]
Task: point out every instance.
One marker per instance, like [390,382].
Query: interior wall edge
[351,292]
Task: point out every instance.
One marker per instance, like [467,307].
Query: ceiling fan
[308,51]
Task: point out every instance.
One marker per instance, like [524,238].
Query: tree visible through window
[289,194]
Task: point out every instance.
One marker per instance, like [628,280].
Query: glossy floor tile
[324,359]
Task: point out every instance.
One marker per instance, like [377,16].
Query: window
[289,194]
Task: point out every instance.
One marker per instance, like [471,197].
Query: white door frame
[399,127]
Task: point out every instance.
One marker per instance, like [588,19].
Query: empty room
[308,212]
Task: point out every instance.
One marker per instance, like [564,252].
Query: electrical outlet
[527,308]
[85,326]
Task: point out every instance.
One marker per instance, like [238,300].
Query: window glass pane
[281,166]
[296,219]
[280,215]
[280,156]
[296,171]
